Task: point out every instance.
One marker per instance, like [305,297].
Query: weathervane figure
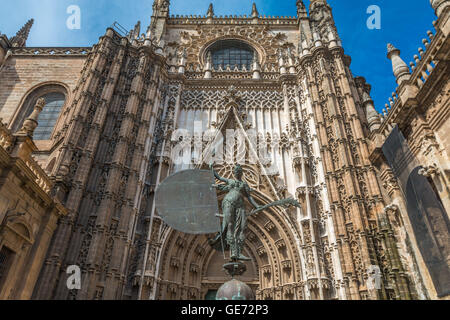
[234,214]
[233,211]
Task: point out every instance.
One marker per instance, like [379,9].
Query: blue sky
[403,22]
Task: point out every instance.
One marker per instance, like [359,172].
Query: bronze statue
[234,214]
[233,211]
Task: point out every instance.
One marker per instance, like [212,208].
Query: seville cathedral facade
[87,134]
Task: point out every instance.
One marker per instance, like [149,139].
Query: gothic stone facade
[112,143]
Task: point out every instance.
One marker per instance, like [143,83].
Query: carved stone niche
[390,209]
[304,190]
[393,215]
[267,294]
[194,268]
[390,182]
[287,265]
[199,250]
[261,251]
[281,188]
[175,262]
[172,288]
[193,293]
[251,236]
[266,270]
[269,226]
[288,290]
[313,283]
[429,171]
[181,242]
[428,144]
[326,283]
[280,244]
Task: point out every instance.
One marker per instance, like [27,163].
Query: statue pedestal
[235,268]
[235,289]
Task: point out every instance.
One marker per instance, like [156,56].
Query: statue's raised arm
[283,203]
[216,175]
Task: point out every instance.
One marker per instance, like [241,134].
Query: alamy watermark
[73,22]
[74,279]
[374,20]
[374,278]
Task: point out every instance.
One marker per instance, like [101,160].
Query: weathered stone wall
[23,73]
[28,213]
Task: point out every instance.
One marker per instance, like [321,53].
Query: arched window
[55,96]
[49,115]
[232,53]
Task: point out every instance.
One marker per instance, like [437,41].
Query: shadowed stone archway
[189,268]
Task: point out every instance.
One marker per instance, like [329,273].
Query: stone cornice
[52,51]
[231,20]
[226,83]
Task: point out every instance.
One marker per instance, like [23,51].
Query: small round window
[232,53]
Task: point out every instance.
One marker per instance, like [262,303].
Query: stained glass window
[232,53]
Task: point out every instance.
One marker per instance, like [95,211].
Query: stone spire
[320,13]
[372,115]
[301,9]
[255,13]
[399,67]
[314,2]
[159,20]
[31,123]
[161,7]
[210,12]
[136,32]
[21,37]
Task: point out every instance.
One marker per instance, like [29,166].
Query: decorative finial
[313,2]
[373,119]
[135,33]
[255,13]
[301,9]
[399,67]
[30,124]
[210,12]
[391,48]
[21,37]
